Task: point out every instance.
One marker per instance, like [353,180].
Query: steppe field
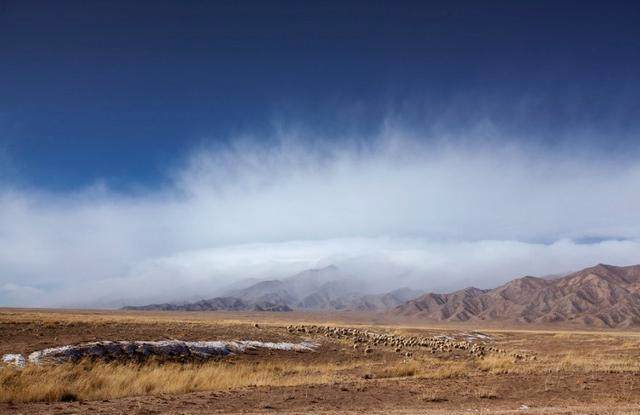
[360,363]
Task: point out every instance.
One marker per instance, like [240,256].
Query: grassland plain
[540,370]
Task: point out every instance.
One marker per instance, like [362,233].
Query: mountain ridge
[602,295]
[313,289]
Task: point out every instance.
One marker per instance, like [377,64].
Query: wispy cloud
[442,212]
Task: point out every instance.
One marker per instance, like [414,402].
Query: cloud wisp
[442,215]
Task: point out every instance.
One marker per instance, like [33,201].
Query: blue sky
[153,150]
[116,91]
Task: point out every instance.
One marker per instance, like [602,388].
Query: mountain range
[603,295]
[315,289]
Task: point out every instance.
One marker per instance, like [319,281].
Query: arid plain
[363,363]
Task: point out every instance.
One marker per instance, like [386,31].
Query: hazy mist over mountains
[435,216]
[152,153]
[601,295]
[316,289]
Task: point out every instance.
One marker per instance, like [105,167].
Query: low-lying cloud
[436,214]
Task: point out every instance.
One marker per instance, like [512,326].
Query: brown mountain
[604,295]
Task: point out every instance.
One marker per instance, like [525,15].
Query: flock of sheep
[363,340]
[367,340]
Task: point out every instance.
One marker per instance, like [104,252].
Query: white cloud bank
[437,216]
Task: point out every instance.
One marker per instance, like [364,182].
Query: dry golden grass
[564,335]
[94,381]
[449,370]
[399,370]
[597,363]
[571,362]
[498,364]
[432,396]
[486,392]
[630,344]
[90,380]
[559,354]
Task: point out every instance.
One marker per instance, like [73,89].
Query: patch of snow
[444,337]
[138,350]
[208,349]
[470,337]
[296,347]
[14,359]
[523,407]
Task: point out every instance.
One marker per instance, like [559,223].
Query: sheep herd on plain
[361,340]
[367,341]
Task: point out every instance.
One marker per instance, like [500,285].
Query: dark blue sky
[120,91]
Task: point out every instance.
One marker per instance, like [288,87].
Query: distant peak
[316,271]
[471,291]
[526,281]
[602,267]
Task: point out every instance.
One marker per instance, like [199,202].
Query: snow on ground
[468,336]
[477,336]
[296,347]
[138,350]
[444,337]
[14,359]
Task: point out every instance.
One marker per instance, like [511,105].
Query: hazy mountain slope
[603,295]
[315,289]
[310,281]
[238,285]
[263,290]
[376,302]
[292,289]
[213,304]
